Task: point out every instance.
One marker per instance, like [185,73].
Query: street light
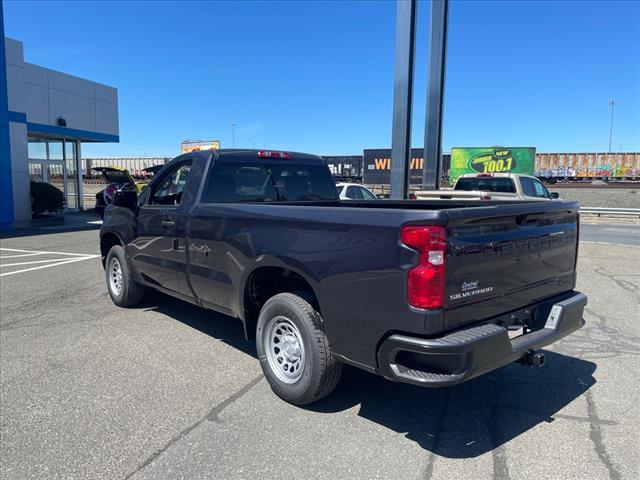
[233,135]
[612,102]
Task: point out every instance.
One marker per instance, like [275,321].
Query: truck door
[158,252]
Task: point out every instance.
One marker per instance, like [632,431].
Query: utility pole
[402,97]
[612,102]
[233,135]
[432,158]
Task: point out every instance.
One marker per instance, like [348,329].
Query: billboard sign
[492,160]
[197,145]
[377,166]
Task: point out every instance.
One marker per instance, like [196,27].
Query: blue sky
[318,76]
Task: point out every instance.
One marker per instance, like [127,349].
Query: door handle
[168,223]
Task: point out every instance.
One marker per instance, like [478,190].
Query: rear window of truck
[259,182]
[486,184]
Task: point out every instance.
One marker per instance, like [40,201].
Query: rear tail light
[265,154]
[426,281]
[484,175]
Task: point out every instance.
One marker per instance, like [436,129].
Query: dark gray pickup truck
[429,293]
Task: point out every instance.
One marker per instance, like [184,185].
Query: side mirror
[126,198]
[554,195]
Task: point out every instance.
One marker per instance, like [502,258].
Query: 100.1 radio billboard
[492,160]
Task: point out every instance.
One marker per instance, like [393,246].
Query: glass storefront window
[55,162]
[72,174]
[35,172]
[37,149]
[55,150]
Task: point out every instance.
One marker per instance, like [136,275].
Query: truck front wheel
[294,350]
[123,290]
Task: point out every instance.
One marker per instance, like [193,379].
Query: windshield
[488,184]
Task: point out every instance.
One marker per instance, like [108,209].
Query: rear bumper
[465,354]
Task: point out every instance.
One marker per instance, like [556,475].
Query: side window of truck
[169,190]
[533,188]
[541,190]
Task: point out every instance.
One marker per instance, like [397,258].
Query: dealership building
[45,116]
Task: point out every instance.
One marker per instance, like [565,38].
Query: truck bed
[502,257]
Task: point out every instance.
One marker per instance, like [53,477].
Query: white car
[354,191]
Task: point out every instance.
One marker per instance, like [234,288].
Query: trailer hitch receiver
[533,359]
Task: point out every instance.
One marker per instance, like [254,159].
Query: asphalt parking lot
[89,390]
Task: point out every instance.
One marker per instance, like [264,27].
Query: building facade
[45,116]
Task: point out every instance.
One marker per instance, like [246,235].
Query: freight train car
[588,166]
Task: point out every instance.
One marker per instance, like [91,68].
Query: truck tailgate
[503,259]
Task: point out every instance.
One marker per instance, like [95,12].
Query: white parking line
[52,262]
[21,255]
[42,261]
[51,253]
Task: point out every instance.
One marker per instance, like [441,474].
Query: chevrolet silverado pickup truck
[488,186]
[428,293]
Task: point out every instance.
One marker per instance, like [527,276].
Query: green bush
[45,198]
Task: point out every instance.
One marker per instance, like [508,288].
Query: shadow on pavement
[222,327]
[457,422]
[74,222]
[470,419]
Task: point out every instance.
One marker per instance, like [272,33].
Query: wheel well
[264,283]
[107,241]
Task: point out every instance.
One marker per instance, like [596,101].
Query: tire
[123,290]
[315,371]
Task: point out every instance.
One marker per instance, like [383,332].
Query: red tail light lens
[426,281]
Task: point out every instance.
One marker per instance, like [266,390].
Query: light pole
[612,102]
[233,135]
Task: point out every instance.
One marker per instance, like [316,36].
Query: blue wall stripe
[17,117]
[6,181]
[61,131]
[85,135]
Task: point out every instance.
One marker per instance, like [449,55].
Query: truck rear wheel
[294,350]
[123,290]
